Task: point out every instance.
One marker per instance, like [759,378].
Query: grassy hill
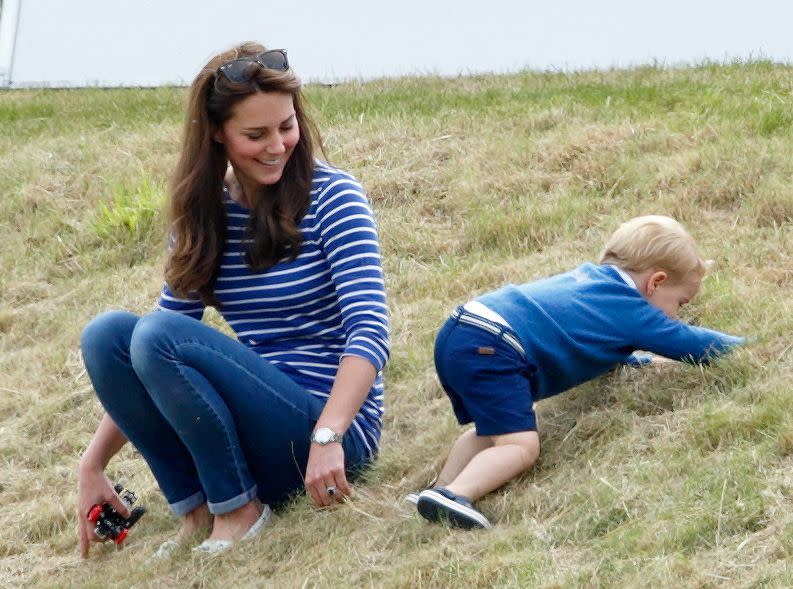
[667,476]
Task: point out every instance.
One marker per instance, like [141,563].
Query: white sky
[152,42]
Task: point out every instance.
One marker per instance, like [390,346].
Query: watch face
[324,435]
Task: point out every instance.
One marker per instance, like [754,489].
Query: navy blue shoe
[440,504]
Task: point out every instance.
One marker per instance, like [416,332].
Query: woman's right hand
[94,488]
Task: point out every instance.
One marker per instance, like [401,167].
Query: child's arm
[676,340]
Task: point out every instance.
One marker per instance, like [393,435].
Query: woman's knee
[151,334]
[105,334]
[155,338]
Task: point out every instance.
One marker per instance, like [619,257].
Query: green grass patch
[133,218]
[130,214]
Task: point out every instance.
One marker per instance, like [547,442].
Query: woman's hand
[94,488]
[325,470]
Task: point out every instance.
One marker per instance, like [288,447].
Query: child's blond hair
[653,241]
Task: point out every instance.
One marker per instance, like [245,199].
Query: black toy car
[108,523]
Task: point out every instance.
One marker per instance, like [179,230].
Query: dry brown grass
[670,476]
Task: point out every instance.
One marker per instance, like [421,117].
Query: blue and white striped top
[304,315]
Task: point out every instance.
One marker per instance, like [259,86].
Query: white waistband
[505,332]
[478,308]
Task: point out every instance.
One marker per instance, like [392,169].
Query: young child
[503,351]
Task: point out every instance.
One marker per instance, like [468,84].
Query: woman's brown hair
[197,217]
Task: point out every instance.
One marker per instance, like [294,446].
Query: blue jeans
[215,422]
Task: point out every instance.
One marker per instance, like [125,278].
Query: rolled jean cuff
[233,503]
[188,504]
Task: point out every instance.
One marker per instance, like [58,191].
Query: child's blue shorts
[486,378]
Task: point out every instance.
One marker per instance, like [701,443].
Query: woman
[286,249]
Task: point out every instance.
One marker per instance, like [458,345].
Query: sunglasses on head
[239,70]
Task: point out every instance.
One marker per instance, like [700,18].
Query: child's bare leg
[510,455]
[464,449]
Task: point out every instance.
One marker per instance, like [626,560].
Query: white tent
[156,42]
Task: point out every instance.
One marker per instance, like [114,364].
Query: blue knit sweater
[580,324]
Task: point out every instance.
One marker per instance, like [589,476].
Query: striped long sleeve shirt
[306,314]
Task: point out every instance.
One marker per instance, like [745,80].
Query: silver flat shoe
[210,546]
[165,550]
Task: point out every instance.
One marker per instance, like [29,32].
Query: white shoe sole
[411,498]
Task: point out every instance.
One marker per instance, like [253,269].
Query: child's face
[669,295]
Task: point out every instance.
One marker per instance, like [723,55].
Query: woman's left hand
[324,472]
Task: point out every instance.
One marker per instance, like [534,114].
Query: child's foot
[440,504]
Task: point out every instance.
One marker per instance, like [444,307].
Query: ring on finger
[331,491]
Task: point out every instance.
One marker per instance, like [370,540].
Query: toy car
[108,523]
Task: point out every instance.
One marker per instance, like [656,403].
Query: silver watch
[324,436]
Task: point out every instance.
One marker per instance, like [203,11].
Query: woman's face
[259,138]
